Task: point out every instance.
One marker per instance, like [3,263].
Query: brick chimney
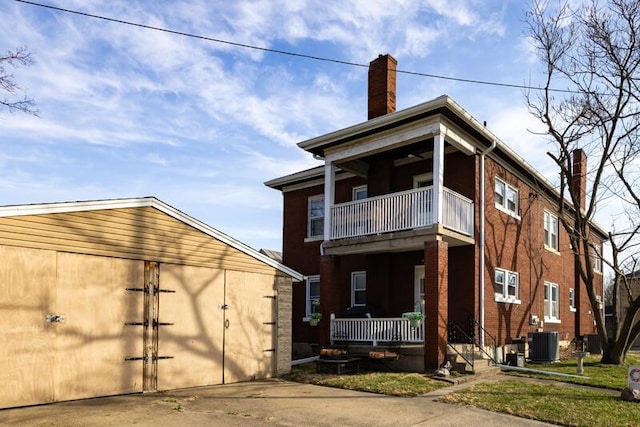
[579,181]
[382,86]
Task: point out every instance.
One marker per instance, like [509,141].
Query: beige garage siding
[136,233]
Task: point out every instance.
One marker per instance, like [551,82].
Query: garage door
[61,326]
[250,336]
[217,327]
[190,339]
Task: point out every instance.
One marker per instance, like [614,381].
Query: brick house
[425,210]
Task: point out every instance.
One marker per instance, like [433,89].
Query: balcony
[406,210]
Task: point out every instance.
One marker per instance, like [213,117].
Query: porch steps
[482,364]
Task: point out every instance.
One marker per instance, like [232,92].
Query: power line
[284,52]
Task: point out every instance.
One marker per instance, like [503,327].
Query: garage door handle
[226,323]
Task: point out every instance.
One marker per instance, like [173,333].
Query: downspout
[319,157]
[482,240]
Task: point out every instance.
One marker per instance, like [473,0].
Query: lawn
[550,403]
[554,402]
[595,374]
[393,384]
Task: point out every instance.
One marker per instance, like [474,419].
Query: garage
[131,295]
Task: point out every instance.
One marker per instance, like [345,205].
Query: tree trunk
[613,354]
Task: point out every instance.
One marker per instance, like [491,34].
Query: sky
[132,112]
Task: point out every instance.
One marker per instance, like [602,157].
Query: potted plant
[314,319]
[415,318]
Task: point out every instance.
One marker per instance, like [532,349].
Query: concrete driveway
[272,402]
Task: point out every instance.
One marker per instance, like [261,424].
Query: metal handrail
[454,329]
[475,324]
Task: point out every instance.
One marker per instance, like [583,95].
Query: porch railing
[404,210]
[376,330]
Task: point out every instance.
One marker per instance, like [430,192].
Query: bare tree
[592,53]
[12,102]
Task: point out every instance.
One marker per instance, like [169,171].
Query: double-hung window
[359,193]
[550,231]
[358,288]
[313,295]
[507,286]
[507,198]
[315,210]
[597,259]
[572,299]
[551,303]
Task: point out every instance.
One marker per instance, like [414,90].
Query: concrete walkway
[272,402]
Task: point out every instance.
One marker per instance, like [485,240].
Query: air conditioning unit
[544,347]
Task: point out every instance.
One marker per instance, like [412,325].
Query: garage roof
[94,205]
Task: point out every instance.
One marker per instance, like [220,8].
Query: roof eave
[92,205]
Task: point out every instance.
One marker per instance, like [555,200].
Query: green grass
[549,403]
[595,373]
[393,384]
[553,402]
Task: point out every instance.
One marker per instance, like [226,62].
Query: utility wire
[289,53]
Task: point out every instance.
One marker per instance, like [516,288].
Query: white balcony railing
[404,210]
[376,330]
[457,212]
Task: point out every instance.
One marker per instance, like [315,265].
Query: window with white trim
[572,299]
[359,193]
[551,303]
[313,295]
[423,180]
[597,259]
[507,198]
[315,212]
[358,288]
[550,231]
[506,286]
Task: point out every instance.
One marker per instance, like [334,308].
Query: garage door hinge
[268,323]
[162,357]
[269,350]
[270,296]
[145,290]
[127,359]
[136,323]
[156,323]
[165,290]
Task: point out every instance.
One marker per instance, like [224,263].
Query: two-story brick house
[425,210]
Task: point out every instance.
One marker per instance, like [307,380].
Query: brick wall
[518,245]
[284,293]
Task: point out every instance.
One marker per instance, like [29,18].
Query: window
[506,286]
[313,295]
[359,193]
[572,299]
[316,216]
[550,231]
[358,288]
[424,180]
[507,198]
[597,259]
[551,306]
